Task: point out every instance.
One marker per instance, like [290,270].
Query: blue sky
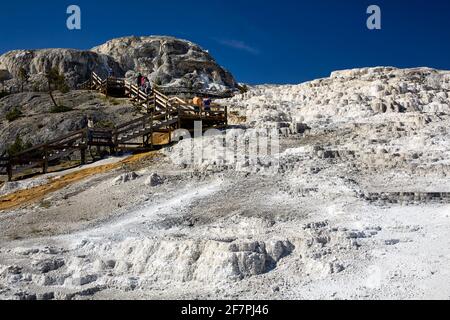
[258,41]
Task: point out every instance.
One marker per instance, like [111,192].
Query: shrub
[105,124]
[38,86]
[114,102]
[111,101]
[157,81]
[23,77]
[57,80]
[18,146]
[243,89]
[13,114]
[60,109]
[63,87]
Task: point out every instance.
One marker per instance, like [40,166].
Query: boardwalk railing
[41,155]
[5,168]
[162,114]
[197,92]
[123,137]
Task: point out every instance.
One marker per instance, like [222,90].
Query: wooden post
[45,164]
[112,148]
[115,140]
[151,130]
[143,136]
[83,155]
[167,110]
[83,146]
[9,170]
[138,98]
[226,116]
[179,117]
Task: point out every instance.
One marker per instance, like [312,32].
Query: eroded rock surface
[167,61]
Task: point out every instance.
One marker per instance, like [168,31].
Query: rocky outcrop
[76,65]
[166,61]
[4,75]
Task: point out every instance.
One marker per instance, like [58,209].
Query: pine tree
[23,77]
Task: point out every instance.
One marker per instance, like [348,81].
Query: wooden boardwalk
[161,116]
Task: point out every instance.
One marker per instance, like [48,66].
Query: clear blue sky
[277,41]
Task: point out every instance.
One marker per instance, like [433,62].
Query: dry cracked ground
[357,208]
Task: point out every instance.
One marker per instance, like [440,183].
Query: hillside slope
[354,207]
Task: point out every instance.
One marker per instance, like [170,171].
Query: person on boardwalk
[139,80]
[143,83]
[90,128]
[198,103]
[147,87]
[207,104]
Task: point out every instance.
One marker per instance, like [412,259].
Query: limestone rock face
[168,61]
[4,75]
[76,65]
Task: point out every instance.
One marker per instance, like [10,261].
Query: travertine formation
[353,205]
[166,61]
[76,65]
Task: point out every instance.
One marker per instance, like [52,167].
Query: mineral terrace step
[408,197]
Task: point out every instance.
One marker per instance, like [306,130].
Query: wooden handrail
[49,143]
[132,121]
[164,112]
[160,94]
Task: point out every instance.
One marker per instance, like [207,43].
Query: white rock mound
[167,61]
[76,65]
[154,180]
[124,178]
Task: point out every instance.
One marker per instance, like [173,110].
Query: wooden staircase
[161,115]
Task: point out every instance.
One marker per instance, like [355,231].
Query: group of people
[144,84]
[204,104]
